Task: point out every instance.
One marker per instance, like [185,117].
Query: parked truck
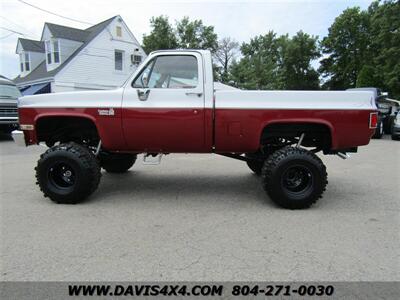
[169,105]
[387,110]
[9,94]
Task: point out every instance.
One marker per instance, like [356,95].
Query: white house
[70,59]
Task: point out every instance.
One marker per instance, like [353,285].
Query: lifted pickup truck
[169,105]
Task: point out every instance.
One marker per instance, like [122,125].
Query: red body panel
[192,130]
[349,128]
[164,130]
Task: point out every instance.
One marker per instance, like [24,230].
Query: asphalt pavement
[203,217]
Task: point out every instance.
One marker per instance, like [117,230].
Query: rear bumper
[19,138]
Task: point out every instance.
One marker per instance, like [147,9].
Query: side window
[169,72]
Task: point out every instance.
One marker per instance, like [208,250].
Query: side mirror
[145,79]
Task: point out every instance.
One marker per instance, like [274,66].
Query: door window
[169,72]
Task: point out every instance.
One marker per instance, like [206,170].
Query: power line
[6,36]
[20,26]
[13,31]
[52,13]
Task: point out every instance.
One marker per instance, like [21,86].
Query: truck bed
[241,116]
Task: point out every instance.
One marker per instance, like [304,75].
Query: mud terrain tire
[68,173]
[294,178]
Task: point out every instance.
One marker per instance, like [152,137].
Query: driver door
[163,107]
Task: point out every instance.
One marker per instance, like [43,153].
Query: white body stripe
[341,100]
[234,99]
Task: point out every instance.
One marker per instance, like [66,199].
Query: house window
[21,62]
[27,62]
[52,51]
[119,60]
[48,52]
[56,52]
[119,31]
[137,59]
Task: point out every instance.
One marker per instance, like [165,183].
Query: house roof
[69,33]
[63,32]
[32,45]
[38,73]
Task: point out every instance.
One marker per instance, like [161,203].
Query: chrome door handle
[194,94]
[143,94]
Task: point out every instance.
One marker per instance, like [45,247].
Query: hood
[98,98]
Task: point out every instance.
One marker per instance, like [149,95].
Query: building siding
[94,66]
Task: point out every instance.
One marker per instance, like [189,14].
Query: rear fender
[302,121]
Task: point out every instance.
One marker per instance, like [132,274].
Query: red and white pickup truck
[170,105]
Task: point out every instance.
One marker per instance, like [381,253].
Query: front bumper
[9,120]
[19,137]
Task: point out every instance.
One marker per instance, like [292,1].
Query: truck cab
[171,97]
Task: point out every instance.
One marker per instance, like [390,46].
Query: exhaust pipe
[343,155]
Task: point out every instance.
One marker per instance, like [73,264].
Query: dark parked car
[9,94]
[384,109]
[396,127]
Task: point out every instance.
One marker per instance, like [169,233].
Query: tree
[363,48]
[195,35]
[346,48]
[187,34]
[162,35]
[367,77]
[297,55]
[385,43]
[224,55]
[271,62]
[258,68]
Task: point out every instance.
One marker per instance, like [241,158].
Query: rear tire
[117,163]
[68,173]
[294,178]
[255,161]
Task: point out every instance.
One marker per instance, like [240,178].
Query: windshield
[9,91]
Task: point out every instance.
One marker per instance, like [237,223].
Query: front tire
[117,163]
[68,173]
[294,178]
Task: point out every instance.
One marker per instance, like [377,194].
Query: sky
[238,19]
